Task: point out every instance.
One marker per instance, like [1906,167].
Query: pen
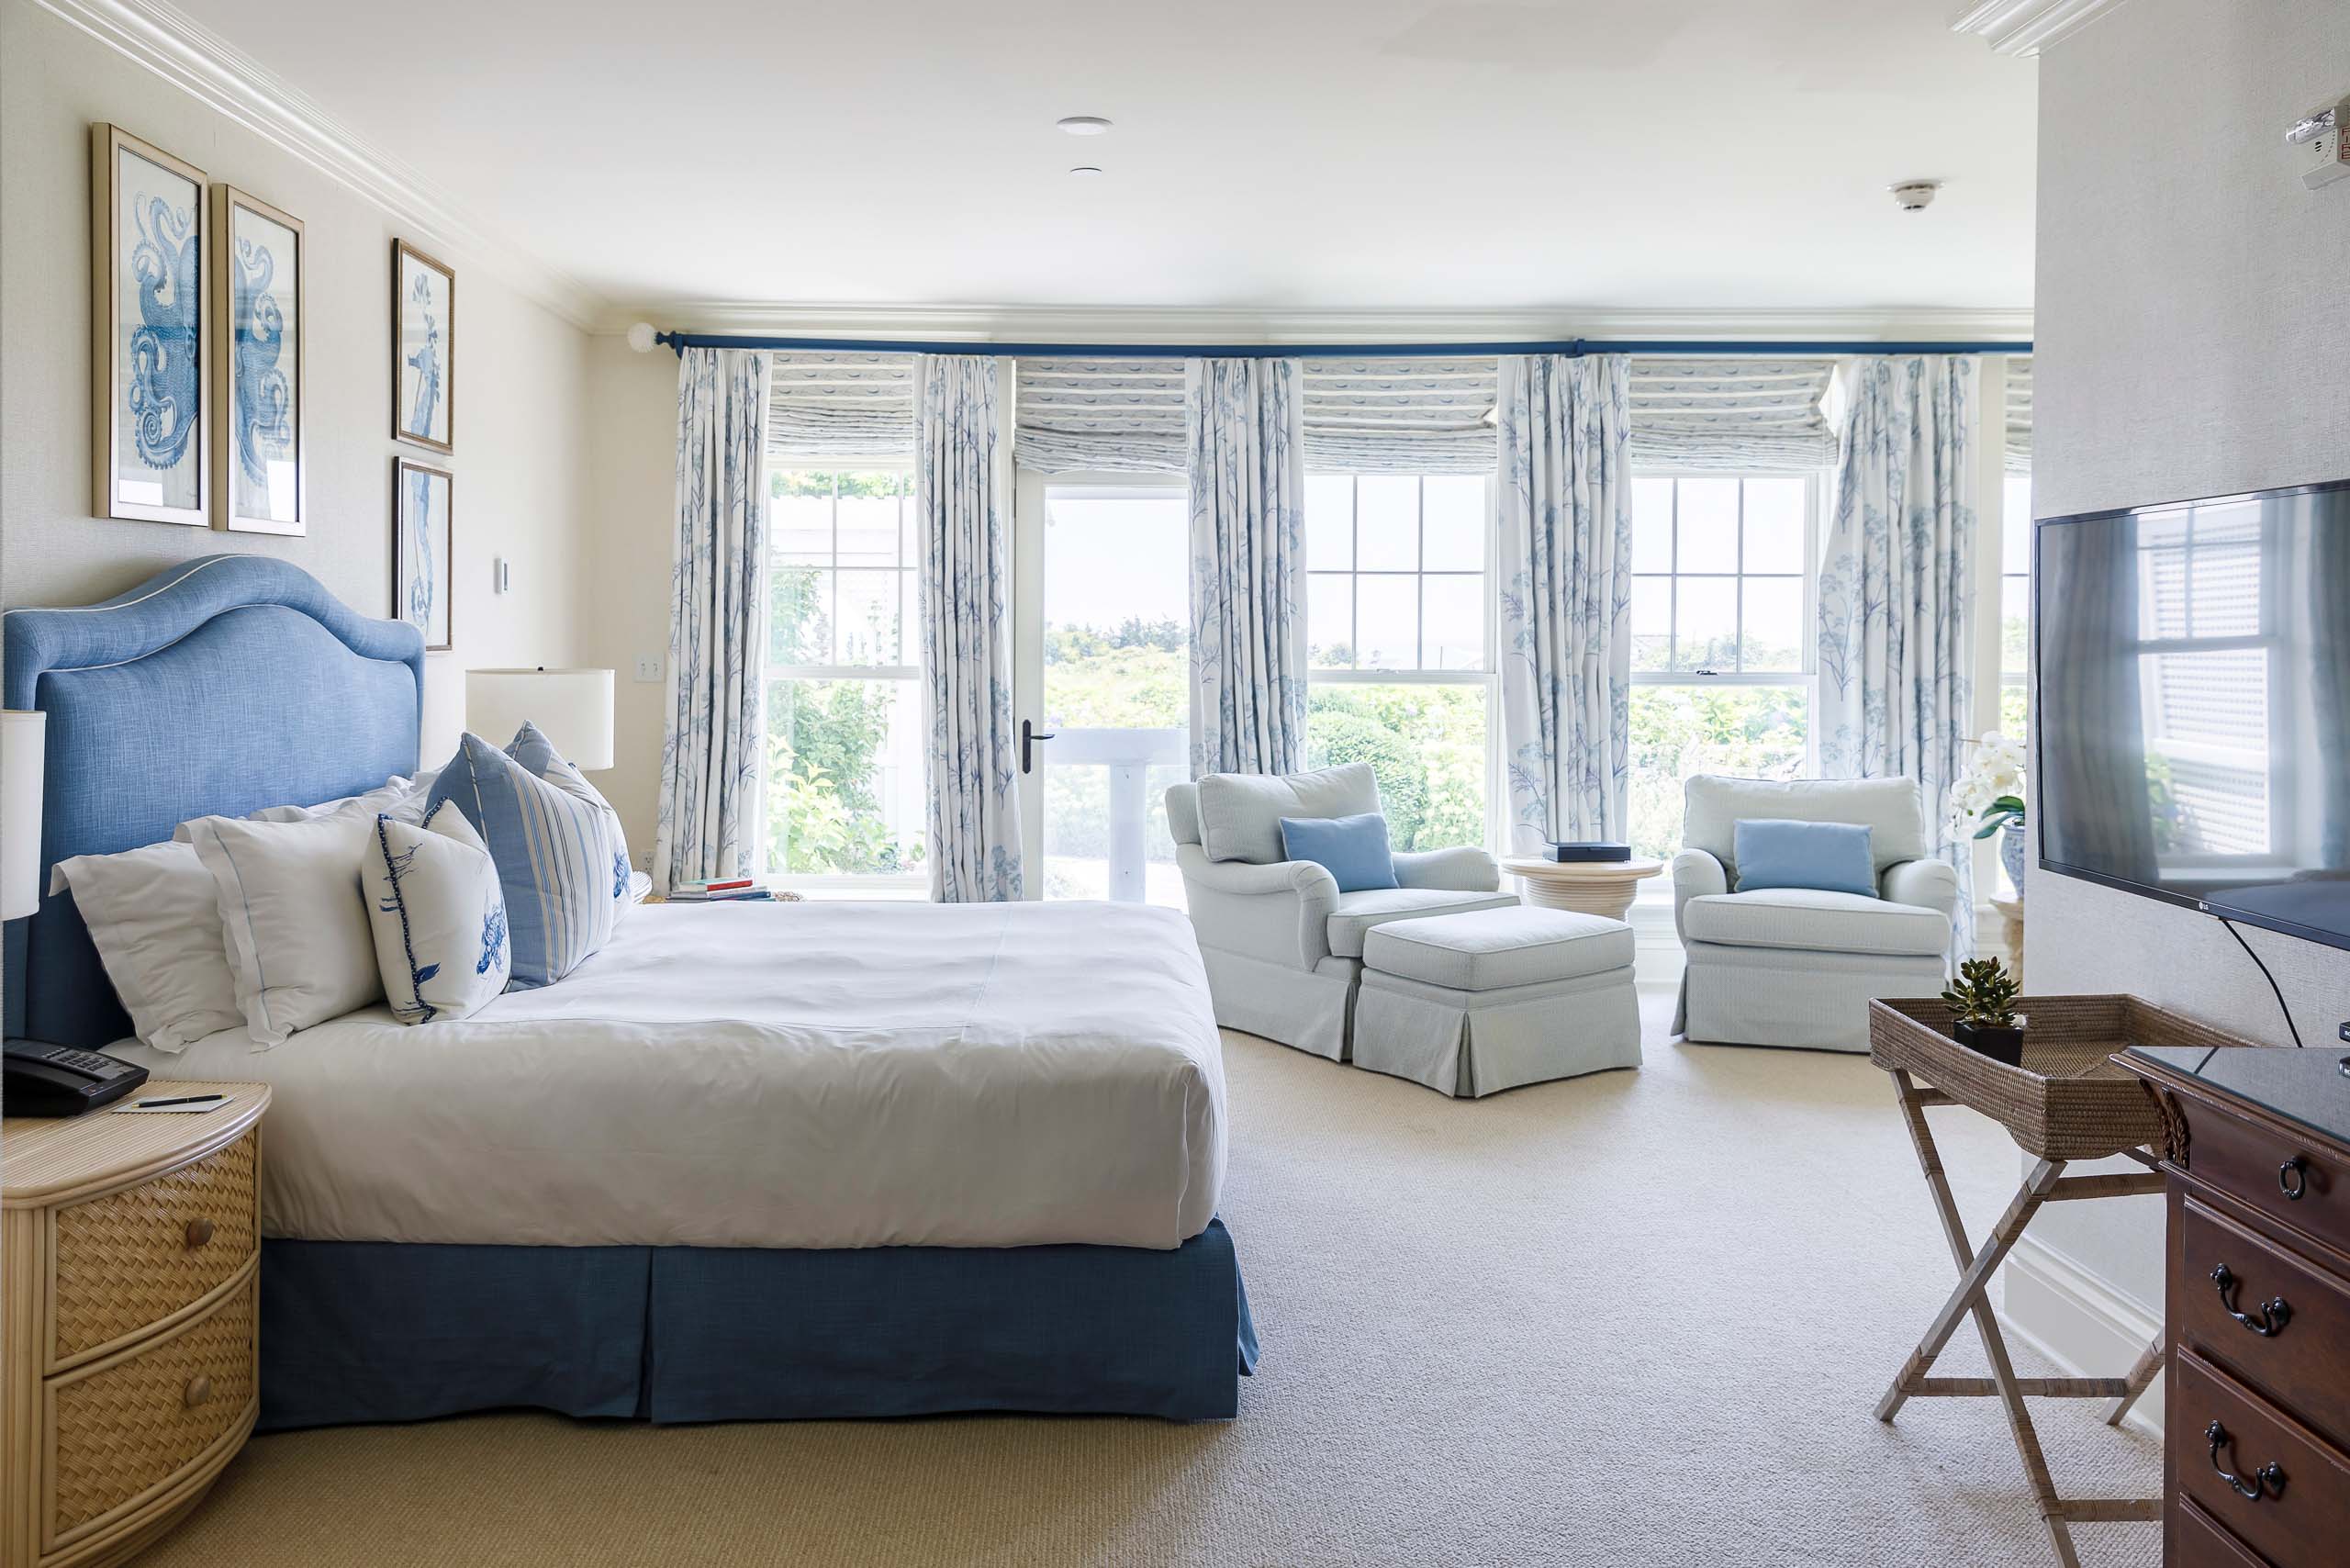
[181,1100]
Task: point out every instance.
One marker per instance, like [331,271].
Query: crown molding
[2024,27]
[1030,323]
[217,73]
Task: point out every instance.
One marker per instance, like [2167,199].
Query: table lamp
[24,738]
[573,708]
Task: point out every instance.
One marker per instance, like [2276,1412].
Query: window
[1722,650]
[845,759]
[2209,684]
[2015,605]
[1401,652]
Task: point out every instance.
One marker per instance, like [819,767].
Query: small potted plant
[1984,998]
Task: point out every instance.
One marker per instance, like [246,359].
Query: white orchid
[1993,786]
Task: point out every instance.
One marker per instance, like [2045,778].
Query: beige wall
[632,468]
[521,384]
[2193,329]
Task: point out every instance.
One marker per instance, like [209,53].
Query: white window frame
[1488,679]
[915,884]
[1818,484]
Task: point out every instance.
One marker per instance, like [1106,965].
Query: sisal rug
[1637,1318]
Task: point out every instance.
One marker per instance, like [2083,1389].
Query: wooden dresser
[2257,1454]
[129,1257]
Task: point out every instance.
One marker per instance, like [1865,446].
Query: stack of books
[726,890]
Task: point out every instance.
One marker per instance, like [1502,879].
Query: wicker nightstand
[129,1266]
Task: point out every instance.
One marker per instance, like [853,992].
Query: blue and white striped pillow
[554,851]
[531,748]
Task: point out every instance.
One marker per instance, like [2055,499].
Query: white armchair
[1793,966]
[1282,946]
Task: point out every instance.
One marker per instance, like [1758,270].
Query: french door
[1102,681]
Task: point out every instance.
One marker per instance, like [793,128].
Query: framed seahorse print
[424,349]
[424,543]
[261,450]
[151,456]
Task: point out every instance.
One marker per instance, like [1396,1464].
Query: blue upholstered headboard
[224,684]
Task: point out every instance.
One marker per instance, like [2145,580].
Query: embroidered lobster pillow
[439,916]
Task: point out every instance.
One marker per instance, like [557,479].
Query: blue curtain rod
[681,342]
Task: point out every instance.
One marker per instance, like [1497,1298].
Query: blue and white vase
[2012,856]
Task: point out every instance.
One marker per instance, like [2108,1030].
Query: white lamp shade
[24,746]
[573,708]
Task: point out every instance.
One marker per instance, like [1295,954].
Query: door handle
[1029,736]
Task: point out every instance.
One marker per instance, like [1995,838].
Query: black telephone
[62,1080]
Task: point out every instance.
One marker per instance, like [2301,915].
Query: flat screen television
[2193,704]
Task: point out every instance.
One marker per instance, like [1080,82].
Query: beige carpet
[1639,1318]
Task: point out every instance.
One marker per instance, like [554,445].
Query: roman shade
[1400,415]
[2018,455]
[1735,415]
[1362,416]
[1100,416]
[826,408]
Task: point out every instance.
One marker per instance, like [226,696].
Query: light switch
[648,667]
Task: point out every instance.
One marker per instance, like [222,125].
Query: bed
[747,1162]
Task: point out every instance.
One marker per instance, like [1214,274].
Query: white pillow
[155,920]
[298,941]
[439,917]
[404,798]
[391,796]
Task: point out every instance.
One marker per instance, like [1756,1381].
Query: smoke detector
[1914,195]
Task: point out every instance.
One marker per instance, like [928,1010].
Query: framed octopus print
[261,453]
[424,349]
[423,543]
[149,345]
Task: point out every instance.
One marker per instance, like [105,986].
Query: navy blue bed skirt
[383,1331]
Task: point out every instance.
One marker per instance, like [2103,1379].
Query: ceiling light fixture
[1914,195]
[1087,169]
[1084,125]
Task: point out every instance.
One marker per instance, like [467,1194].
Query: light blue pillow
[1353,849]
[1833,857]
[531,748]
[554,851]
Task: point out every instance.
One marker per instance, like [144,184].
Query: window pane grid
[842,769]
[1720,638]
[1697,579]
[1371,611]
[859,587]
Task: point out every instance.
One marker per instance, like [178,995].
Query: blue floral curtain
[1566,599]
[1897,640]
[1243,425]
[711,815]
[966,631]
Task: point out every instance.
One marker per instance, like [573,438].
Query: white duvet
[771,1075]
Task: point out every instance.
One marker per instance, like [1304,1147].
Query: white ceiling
[1268,154]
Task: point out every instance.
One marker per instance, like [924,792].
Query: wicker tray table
[2067,1101]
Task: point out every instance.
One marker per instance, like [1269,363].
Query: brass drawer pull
[199,1231]
[199,1391]
[2268,1479]
[2274,1312]
[2293,1178]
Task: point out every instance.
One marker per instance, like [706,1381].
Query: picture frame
[423,548]
[261,301]
[150,342]
[424,349]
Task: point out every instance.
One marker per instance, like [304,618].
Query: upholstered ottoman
[1473,1003]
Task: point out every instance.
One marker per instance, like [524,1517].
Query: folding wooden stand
[2046,1184]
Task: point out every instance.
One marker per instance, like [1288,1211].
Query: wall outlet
[648,667]
[646,859]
